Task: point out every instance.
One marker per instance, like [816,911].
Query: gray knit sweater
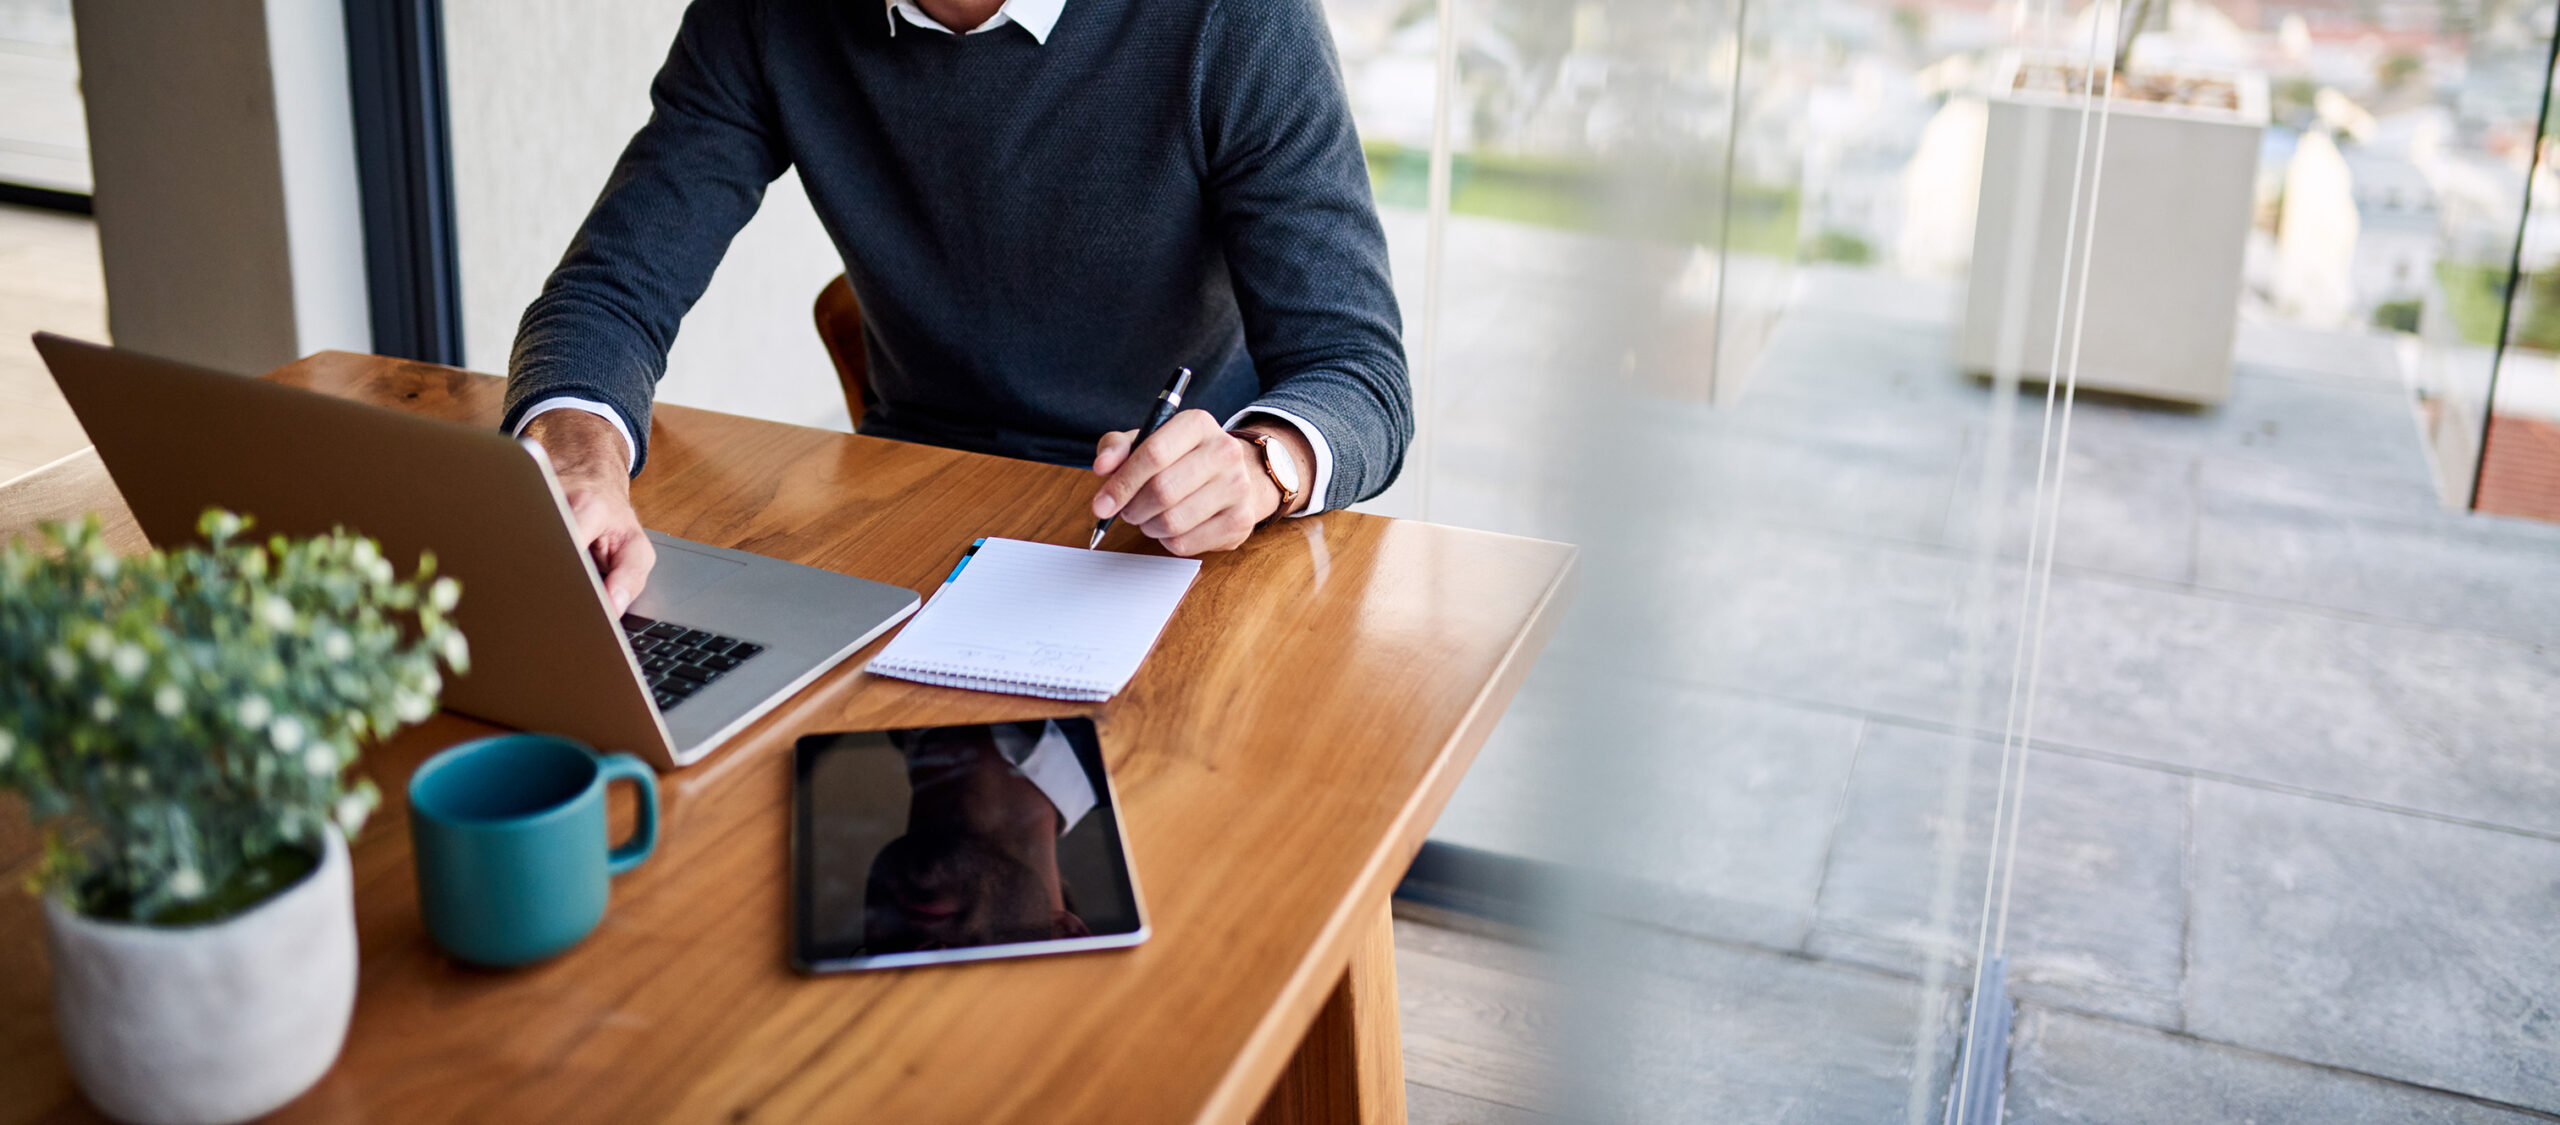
[1038,232]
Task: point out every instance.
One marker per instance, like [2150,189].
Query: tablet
[962,843]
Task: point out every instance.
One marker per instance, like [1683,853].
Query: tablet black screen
[956,843]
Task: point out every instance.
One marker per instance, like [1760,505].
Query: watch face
[1282,466]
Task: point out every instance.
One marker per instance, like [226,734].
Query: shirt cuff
[1315,441]
[1050,764]
[630,448]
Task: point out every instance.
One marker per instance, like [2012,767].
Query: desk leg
[1350,1068]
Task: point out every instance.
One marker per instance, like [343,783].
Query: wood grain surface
[1279,758]
[69,488]
[1482,1015]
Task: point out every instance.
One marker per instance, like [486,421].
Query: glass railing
[2033,656]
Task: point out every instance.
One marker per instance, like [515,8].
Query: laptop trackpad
[680,575]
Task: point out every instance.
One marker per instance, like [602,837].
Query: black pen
[1165,406]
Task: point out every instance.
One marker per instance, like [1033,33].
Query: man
[1044,206]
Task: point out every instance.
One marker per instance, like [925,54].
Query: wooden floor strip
[1478,1016]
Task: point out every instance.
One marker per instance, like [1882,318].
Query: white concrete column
[223,147]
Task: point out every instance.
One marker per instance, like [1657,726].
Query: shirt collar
[1035,16]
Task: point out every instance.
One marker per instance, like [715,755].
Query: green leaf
[121,681]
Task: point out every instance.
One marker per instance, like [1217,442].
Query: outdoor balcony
[2290,810]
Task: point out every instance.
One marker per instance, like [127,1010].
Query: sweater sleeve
[1289,193]
[684,186]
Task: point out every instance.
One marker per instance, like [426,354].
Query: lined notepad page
[1040,619]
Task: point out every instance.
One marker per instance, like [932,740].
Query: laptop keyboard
[678,660]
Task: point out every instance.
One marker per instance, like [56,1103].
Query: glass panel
[44,138]
[2282,828]
[2068,597]
[1734,774]
[1392,65]
[2486,164]
[2518,458]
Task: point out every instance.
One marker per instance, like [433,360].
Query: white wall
[221,139]
[316,152]
[544,94]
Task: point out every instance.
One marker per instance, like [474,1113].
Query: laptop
[717,639]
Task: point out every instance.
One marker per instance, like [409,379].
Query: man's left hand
[1193,486]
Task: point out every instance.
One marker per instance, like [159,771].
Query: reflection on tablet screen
[958,843]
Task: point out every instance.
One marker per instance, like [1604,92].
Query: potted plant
[2171,222]
[181,724]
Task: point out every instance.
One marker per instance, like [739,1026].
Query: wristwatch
[1276,465]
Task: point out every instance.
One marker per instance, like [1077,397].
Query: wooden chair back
[839,318]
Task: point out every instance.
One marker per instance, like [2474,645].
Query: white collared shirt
[1050,765]
[1036,17]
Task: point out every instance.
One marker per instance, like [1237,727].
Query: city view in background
[2391,174]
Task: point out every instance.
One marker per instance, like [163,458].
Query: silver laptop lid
[546,651]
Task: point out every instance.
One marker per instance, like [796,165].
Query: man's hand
[589,457]
[1193,487]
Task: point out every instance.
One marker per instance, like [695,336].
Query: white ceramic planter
[204,1024]
[2172,220]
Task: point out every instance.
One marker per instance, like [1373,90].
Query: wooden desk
[1279,760]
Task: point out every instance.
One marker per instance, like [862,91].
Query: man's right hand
[593,464]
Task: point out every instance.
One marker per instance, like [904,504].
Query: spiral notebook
[1040,619]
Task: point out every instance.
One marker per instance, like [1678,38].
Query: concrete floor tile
[1812,618]
[2318,425]
[2358,356]
[1708,470]
[1817,366]
[1707,813]
[1664,1028]
[2482,576]
[1511,799]
[2066,1069]
[2122,510]
[1873,296]
[2390,944]
[1892,486]
[2096,912]
[2387,495]
[2450,723]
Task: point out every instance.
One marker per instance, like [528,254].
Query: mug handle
[644,836]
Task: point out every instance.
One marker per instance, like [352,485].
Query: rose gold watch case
[1263,443]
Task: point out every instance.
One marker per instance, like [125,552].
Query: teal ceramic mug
[513,862]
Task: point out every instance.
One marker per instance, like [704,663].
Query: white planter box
[2172,220]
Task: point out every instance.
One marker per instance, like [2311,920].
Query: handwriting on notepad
[1072,660]
[1060,659]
